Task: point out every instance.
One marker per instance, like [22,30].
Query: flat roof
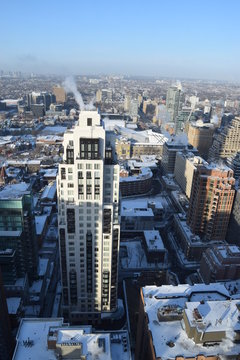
[218,315]
[153,240]
[214,316]
[33,334]
[37,331]
[14,191]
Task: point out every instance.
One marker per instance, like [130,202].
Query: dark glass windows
[89,149]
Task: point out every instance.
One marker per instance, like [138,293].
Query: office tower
[133,109]
[6,340]
[211,202]
[200,135]
[226,142]
[127,100]
[60,94]
[41,98]
[88,196]
[17,231]
[185,165]
[182,118]
[175,100]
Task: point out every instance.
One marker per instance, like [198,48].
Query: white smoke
[228,342]
[90,105]
[70,85]
[181,139]
[164,119]
[214,120]
[163,115]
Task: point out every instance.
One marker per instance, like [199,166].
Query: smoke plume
[70,86]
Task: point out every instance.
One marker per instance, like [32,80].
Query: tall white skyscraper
[88,198]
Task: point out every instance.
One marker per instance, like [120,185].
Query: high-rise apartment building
[174,101]
[200,135]
[88,197]
[226,142]
[185,165]
[169,153]
[211,201]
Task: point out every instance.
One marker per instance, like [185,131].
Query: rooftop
[153,240]
[35,335]
[14,191]
[205,308]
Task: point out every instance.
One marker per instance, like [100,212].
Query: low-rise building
[198,322]
[220,263]
[136,184]
[51,338]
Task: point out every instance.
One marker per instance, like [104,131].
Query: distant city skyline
[174,39]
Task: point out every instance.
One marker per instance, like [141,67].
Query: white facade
[88,197]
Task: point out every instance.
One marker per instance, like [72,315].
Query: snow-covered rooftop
[216,313]
[50,173]
[14,191]
[153,240]
[214,316]
[13,304]
[40,222]
[33,336]
[37,331]
[49,192]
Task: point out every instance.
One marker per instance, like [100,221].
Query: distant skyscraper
[211,202]
[43,98]
[60,94]
[175,100]
[88,197]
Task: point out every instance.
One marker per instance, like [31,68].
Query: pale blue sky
[176,38]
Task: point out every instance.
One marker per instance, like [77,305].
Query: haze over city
[119,180]
[178,39]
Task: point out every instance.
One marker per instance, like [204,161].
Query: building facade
[174,101]
[233,232]
[18,242]
[200,136]
[60,94]
[220,263]
[169,153]
[211,202]
[6,340]
[88,197]
[226,142]
[185,165]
